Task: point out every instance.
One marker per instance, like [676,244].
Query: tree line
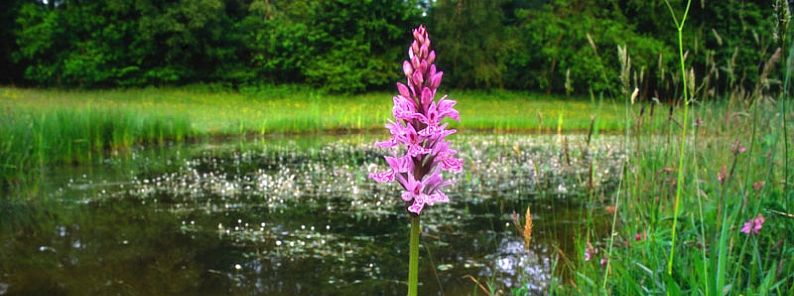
[559,46]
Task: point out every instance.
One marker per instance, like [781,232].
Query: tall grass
[678,232]
[31,140]
[722,189]
[290,109]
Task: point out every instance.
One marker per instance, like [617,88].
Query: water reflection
[293,216]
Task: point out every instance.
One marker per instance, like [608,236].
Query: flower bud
[408,69]
[431,57]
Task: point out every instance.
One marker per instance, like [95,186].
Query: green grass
[30,139]
[712,256]
[296,109]
[40,127]
[686,199]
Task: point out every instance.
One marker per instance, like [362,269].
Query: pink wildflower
[722,175]
[738,148]
[418,130]
[589,252]
[753,226]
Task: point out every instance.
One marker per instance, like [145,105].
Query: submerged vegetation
[251,216]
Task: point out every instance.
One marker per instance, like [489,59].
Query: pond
[296,215]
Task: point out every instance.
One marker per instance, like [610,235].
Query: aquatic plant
[418,131]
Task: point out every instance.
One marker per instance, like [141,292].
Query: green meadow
[300,110]
[40,127]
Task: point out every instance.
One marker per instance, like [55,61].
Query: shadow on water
[294,216]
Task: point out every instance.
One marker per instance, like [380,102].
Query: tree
[472,37]
[11,71]
[359,43]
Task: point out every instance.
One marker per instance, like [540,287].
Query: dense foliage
[355,45]
[341,45]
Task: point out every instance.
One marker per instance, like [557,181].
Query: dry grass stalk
[524,231]
[482,287]
[527,234]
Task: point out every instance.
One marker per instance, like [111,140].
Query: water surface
[295,216]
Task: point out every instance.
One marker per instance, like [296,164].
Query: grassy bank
[296,109]
[40,127]
[737,169]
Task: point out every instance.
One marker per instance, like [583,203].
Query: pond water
[296,216]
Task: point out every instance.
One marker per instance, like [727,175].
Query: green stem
[413,264]
[785,150]
[623,176]
[685,123]
[700,211]
[785,137]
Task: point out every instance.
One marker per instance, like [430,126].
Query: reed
[31,140]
